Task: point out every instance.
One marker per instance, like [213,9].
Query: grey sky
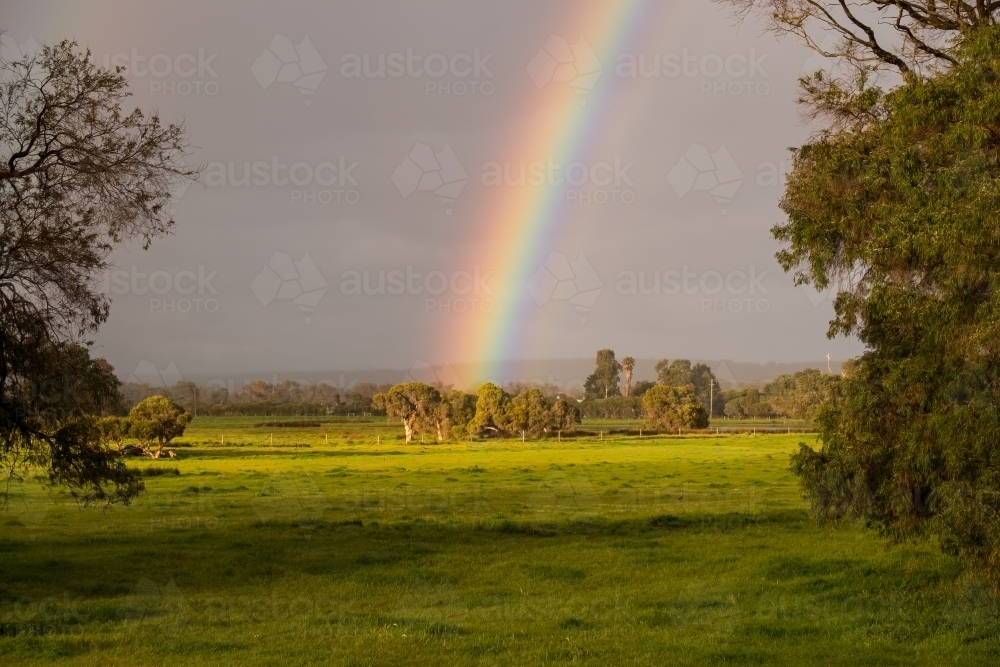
[348,213]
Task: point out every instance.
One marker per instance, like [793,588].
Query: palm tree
[628,365]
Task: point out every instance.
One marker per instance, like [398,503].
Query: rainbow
[522,225]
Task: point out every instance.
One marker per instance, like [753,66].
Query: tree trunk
[408,429]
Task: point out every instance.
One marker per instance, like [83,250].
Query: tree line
[795,396]
[610,393]
[260,398]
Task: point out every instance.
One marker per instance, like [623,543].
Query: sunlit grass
[340,544]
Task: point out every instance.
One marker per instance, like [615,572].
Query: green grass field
[341,545]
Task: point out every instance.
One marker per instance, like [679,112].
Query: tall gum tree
[79,176]
[894,203]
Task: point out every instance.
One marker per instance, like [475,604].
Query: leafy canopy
[898,208]
[672,407]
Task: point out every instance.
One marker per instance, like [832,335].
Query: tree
[800,395]
[456,411]
[902,35]
[492,406]
[641,387]
[673,407]
[603,382]
[78,176]
[529,413]
[158,419]
[894,204]
[680,373]
[675,374]
[703,383]
[47,419]
[628,365]
[748,403]
[187,393]
[414,403]
[113,430]
[565,416]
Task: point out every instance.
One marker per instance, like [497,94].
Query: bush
[673,407]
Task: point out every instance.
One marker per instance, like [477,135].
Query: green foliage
[49,394]
[492,406]
[698,377]
[676,374]
[157,419]
[796,396]
[454,413]
[616,407]
[113,430]
[603,382]
[530,413]
[641,387]
[628,366]
[565,415]
[898,208]
[749,403]
[416,404]
[673,407]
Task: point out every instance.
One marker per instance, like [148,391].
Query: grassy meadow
[339,544]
